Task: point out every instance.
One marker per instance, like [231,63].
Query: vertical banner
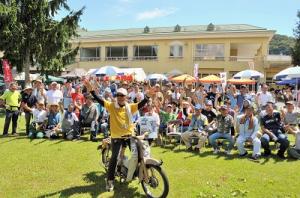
[223,77]
[7,71]
[196,68]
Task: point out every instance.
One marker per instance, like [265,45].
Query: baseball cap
[209,103]
[198,107]
[169,105]
[290,102]
[223,107]
[54,82]
[122,91]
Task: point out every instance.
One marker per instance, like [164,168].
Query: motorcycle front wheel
[158,184]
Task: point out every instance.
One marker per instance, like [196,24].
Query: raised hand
[88,85]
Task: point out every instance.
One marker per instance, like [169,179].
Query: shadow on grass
[95,188]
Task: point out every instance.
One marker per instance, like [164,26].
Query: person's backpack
[293,153]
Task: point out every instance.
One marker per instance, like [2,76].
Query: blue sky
[117,14]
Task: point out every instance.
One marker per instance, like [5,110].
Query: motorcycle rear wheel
[105,156]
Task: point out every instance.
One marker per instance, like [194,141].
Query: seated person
[290,120]
[184,115]
[54,121]
[103,122]
[89,117]
[196,129]
[247,127]
[272,129]
[39,122]
[166,117]
[69,125]
[225,130]
[211,114]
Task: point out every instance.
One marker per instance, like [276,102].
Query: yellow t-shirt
[119,122]
[12,99]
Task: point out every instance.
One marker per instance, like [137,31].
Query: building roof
[153,31]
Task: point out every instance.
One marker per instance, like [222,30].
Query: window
[90,54]
[209,52]
[176,51]
[116,53]
[145,52]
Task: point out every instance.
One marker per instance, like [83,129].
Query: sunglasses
[120,95]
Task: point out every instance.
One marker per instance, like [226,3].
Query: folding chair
[175,133]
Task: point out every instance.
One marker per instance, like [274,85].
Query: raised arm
[90,88]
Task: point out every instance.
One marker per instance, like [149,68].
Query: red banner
[7,71]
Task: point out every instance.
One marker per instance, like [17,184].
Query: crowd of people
[207,113]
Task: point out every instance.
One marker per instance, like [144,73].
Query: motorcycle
[148,170]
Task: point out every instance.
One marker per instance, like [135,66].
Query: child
[69,125]
[39,121]
[54,119]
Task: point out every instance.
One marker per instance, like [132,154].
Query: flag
[7,71]
[223,77]
[196,68]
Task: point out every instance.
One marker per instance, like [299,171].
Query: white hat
[53,83]
[28,87]
[122,91]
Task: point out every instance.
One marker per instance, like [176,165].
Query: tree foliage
[281,44]
[29,35]
[296,49]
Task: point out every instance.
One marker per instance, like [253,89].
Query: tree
[29,35]
[281,44]
[296,49]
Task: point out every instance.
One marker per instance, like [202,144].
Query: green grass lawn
[57,168]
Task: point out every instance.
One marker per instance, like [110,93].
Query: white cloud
[156,13]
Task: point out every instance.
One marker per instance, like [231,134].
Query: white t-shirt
[39,115]
[263,98]
[149,124]
[54,96]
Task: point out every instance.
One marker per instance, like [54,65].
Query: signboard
[196,68]
[223,77]
[7,71]
[148,124]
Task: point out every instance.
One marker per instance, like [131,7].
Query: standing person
[272,129]
[212,94]
[39,91]
[263,97]
[247,127]
[67,91]
[28,102]
[11,98]
[200,94]
[54,95]
[121,125]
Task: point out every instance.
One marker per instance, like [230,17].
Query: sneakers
[228,152]
[197,150]
[245,154]
[189,149]
[254,158]
[216,151]
[267,153]
[110,185]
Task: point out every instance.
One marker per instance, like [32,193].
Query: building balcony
[88,59]
[209,58]
[144,58]
[123,58]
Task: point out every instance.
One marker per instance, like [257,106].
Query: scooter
[148,170]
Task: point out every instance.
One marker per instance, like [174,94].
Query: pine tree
[29,35]
[296,49]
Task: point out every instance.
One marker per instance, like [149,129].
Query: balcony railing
[84,59]
[241,58]
[145,58]
[209,58]
[123,58]
[175,57]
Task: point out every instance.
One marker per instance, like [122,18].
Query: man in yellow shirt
[121,124]
[12,99]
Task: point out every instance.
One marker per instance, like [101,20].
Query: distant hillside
[281,44]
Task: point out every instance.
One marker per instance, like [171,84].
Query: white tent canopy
[77,72]
[21,76]
[138,73]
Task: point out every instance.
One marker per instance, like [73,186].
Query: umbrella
[288,82]
[249,73]
[186,77]
[156,77]
[291,72]
[21,76]
[241,81]
[77,72]
[107,70]
[50,78]
[174,72]
[210,79]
